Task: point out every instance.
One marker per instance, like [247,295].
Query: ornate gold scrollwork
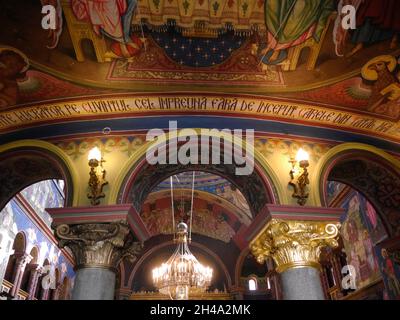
[98,244]
[295,243]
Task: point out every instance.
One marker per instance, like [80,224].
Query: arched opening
[30,267]
[19,247]
[257,280]
[34,175]
[220,210]
[23,166]
[252,284]
[41,290]
[374,177]
[223,203]
[367,186]
[142,178]
[15,266]
[22,274]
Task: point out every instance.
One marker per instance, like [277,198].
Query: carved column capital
[23,259]
[295,243]
[98,244]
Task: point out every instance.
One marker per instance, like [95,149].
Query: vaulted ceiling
[241,48]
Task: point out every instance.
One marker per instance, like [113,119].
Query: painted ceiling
[238,48]
[207,182]
[212,216]
[219,207]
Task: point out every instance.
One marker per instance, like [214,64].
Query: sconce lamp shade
[302,155]
[94,154]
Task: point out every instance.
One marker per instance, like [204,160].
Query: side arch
[20,244]
[369,170]
[25,162]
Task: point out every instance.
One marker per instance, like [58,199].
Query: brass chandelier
[182,274]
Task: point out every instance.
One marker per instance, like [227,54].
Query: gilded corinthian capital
[98,244]
[295,243]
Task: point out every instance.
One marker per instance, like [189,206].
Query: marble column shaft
[302,283]
[20,264]
[33,281]
[295,247]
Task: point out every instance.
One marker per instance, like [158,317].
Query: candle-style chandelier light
[182,274]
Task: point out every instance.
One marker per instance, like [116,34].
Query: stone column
[33,281]
[295,247]
[45,294]
[56,292]
[98,248]
[21,261]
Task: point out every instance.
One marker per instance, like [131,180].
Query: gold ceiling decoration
[243,16]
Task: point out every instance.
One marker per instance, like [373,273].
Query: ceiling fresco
[210,218]
[296,51]
[210,183]
[220,208]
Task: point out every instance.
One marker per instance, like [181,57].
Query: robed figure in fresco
[292,22]
[358,245]
[111,18]
[13,67]
[389,271]
[376,20]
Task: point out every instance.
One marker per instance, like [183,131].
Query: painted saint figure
[358,245]
[388,269]
[292,22]
[376,20]
[13,67]
[385,90]
[111,18]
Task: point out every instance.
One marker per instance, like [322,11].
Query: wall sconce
[301,174]
[96,176]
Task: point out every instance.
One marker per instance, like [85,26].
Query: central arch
[138,178]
